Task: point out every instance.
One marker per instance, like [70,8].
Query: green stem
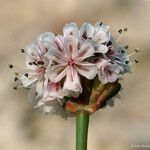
[82,123]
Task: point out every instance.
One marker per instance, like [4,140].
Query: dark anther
[34,63]
[136,61]
[16,79]
[56,34]
[125,29]
[137,50]
[10,66]
[26,74]
[100,23]
[22,50]
[15,88]
[122,51]
[84,35]
[109,43]
[127,62]
[120,31]
[40,63]
[127,46]
[30,63]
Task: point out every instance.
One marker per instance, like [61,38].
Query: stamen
[56,34]
[100,23]
[22,51]
[26,74]
[16,79]
[122,51]
[136,61]
[10,66]
[34,63]
[15,87]
[30,63]
[126,62]
[137,50]
[126,47]
[109,43]
[125,29]
[120,31]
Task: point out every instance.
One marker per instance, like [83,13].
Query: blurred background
[115,128]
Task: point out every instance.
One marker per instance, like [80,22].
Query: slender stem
[82,123]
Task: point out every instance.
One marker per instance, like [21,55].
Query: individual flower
[52,95]
[70,63]
[36,62]
[108,71]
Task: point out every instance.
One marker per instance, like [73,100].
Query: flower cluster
[58,66]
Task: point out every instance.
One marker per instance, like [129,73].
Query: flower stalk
[82,123]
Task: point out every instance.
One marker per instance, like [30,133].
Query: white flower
[36,62]
[107,71]
[70,62]
[57,65]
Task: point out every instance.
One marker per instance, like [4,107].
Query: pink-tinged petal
[87,70]
[101,37]
[86,31]
[40,87]
[45,41]
[56,55]
[27,81]
[59,40]
[101,49]
[56,73]
[108,72]
[72,81]
[33,51]
[84,52]
[70,29]
[71,45]
[53,90]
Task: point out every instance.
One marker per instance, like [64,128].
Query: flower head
[77,70]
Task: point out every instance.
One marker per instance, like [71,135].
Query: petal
[33,51]
[40,87]
[28,81]
[32,94]
[84,52]
[70,29]
[45,40]
[86,31]
[101,37]
[101,48]
[87,70]
[56,73]
[59,40]
[56,55]
[72,81]
[70,45]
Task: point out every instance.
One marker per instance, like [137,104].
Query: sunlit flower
[36,63]
[79,70]
[107,71]
[71,62]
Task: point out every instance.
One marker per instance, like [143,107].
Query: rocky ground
[117,128]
